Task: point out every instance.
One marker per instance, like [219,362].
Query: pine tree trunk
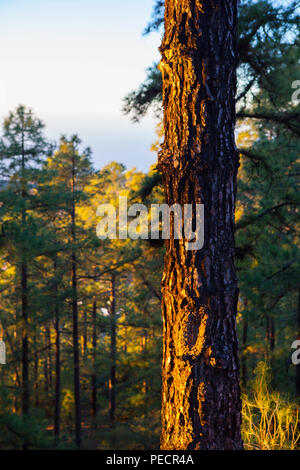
[49,357]
[24,290]
[199,161]
[25,359]
[298,366]
[94,405]
[75,322]
[46,369]
[84,339]
[57,402]
[244,357]
[112,375]
[271,333]
[36,372]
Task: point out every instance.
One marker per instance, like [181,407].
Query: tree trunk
[271,333]
[25,359]
[199,161]
[75,321]
[94,405]
[57,403]
[298,365]
[49,357]
[244,357]
[36,372]
[46,364]
[24,290]
[112,375]
[84,336]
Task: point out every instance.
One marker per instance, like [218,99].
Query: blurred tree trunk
[298,366]
[24,294]
[46,362]
[271,333]
[112,375]
[94,358]
[199,163]
[49,358]
[244,356]
[36,371]
[57,401]
[85,333]
[75,316]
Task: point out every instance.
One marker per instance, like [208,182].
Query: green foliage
[42,185]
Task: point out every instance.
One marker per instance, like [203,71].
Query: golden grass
[269,422]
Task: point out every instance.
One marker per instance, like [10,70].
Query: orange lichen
[201,400]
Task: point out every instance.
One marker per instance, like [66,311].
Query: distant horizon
[70,77]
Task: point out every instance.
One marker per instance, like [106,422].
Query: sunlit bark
[199,162]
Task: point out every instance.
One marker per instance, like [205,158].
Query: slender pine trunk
[112,374]
[85,335]
[46,364]
[271,333]
[36,372]
[94,405]
[244,356]
[24,301]
[57,400]
[25,348]
[49,355]
[199,162]
[298,366]
[75,319]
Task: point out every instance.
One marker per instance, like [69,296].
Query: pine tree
[22,150]
[73,169]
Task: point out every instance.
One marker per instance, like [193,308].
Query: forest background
[81,317]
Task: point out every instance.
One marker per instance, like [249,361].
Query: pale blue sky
[73,61]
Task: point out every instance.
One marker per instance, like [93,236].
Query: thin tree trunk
[24,288]
[49,356]
[36,372]
[298,366]
[84,339]
[94,404]
[46,370]
[199,161]
[271,333]
[25,360]
[244,357]
[57,404]
[112,375]
[75,321]
[17,378]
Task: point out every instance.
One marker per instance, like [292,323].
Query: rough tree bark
[199,162]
